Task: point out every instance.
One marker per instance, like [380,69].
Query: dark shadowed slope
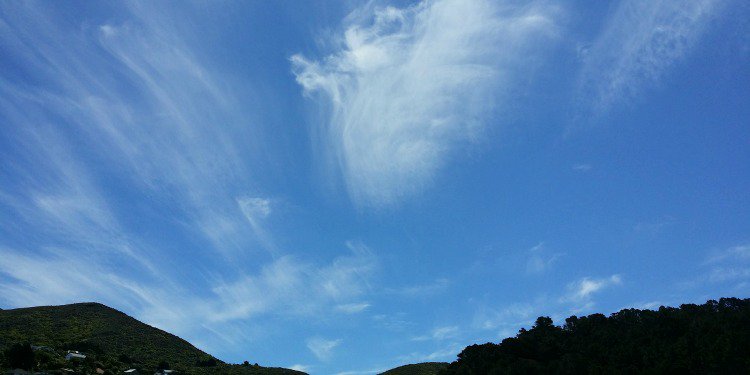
[426,368]
[109,338]
[713,338]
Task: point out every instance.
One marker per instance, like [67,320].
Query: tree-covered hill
[713,338]
[426,368]
[111,340]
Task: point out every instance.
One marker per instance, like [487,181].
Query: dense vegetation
[111,340]
[713,338]
[426,368]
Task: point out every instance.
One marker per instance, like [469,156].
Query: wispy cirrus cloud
[364,372]
[322,348]
[640,41]
[577,297]
[352,308]
[142,107]
[299,367]
[405,87]
[430,289]
[284,288]
[445,353]
[108,110]
[584,288]
[506,319]
[439,334]
[119,134]
[655,226]
[256,210]
[735,253]
[296,287]
[540,259]
[582,167]
[730,265]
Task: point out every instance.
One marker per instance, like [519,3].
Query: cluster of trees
[19,356]
[45,359]
[27,357]
[713,338]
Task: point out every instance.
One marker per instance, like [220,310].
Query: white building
[72,354]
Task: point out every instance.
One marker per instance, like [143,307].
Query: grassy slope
[93,327]
[426,368]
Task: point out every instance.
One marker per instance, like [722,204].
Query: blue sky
[344,187]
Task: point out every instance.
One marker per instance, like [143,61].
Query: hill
[713,338]
[426,368]
[110,339]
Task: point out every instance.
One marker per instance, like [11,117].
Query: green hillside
[426,368]
[110,339]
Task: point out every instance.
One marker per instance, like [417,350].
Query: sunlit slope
[111,337]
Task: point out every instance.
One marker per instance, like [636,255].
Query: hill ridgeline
[110,340]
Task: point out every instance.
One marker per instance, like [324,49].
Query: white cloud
[737,253]
[48,279]
[280,283]
[509,317]
[582,167]
[540,260]
[298,367]
[362,372]
[729,273]
[582,290]
[423,290]
[640,42]
[729,266]
[348,276]
[61,276]
[409,85]
[143,109]
[439,334]
[255,210]
[653,305]
[653,227]
[446,353]
[322,348]
[442,333]
[295,287]
[126,120]
[352,308]
[282,289]
[397,322]
[66,206]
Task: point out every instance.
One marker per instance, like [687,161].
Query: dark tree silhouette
[713,338]
[20,356]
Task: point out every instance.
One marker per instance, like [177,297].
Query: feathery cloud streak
[409,85]
[641,40]
[139,102]
[583,289]
[322,348]
[123,182]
